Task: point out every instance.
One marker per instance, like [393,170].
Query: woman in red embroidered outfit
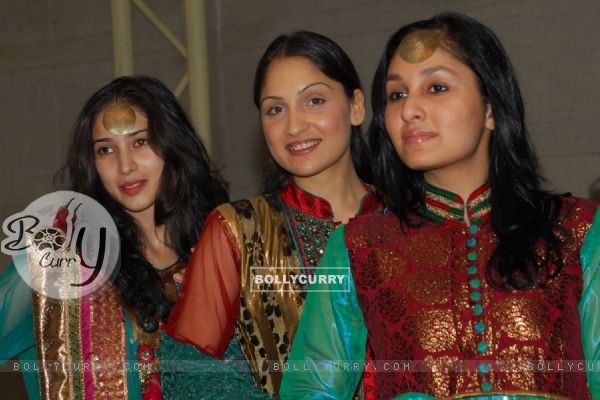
[311,107]
[474,277]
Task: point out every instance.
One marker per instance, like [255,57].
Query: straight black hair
[330,59]
[524,216]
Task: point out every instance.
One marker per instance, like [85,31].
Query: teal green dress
[332,330]
[185,372]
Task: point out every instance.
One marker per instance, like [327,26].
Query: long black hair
[331,60]
[189,187]
[524,216]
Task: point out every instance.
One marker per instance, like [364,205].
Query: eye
[274,110]
[438,88]
[140,142]
[104,150]
[397,95]
[315,101]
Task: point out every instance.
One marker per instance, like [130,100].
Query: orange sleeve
[208,302]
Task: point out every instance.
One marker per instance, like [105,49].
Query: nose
[127,162]
[296,122]
[413,108]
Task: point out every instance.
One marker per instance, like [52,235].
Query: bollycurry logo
[64,245]
[269,279]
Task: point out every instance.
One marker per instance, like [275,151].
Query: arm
[589,307]
[208,303]
[16,315]
[331,330]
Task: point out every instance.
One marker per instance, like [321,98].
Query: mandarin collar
[318,207]
[449,208]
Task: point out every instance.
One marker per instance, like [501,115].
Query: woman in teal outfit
[477,283]
[136,153]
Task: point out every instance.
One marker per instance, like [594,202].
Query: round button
[475,283]
[482,347]
[486,387]
[472,256]
[476,296]
[473,229]
[472,270]
[484,368]
[480,327]
[478,309]
[471,242]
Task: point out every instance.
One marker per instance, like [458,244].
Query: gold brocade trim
[484,211]
[50,329]
[485,196]
[166,277]
[443,213]
[268,318]
[108,344]
[444,200]
[507,393]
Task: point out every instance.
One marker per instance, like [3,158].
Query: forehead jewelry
[119,119]
[419,45]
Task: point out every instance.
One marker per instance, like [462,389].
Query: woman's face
[436,117]
[306,118]
[129,168]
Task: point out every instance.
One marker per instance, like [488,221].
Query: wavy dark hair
[190,187]
[330,59]
[524,216]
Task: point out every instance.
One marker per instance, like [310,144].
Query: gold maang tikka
[119,119]
[419,45]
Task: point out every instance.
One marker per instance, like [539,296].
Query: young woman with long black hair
[311,107]
[475,274]
[136,153]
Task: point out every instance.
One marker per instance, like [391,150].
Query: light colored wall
[55,53]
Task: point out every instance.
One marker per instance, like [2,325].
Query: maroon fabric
[414,289]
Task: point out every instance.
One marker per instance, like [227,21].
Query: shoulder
[364,230]
[575,210]
[577,215]
[255,208]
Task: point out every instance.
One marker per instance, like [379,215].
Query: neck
[461,181]
[342,189]
[155,243]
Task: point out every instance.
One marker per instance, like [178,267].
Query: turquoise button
[486,387]
[472,256]
[475,283]
[472,270]
[473,229]
[482,347]
[475,296]
[471,242]
[484,368]
[480,327]
[478,309]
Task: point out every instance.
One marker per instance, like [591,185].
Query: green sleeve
[331,332]
[16,315]
[589,307]
[134,388]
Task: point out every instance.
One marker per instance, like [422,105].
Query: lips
[302,146]
[417,136]
[133,187]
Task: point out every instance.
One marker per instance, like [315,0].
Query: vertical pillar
[197,50]
[122,37]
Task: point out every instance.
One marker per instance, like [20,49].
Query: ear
[357,108]
[489,117]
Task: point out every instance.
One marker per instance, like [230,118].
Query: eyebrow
[109,138]
[426,72]
[304,89]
